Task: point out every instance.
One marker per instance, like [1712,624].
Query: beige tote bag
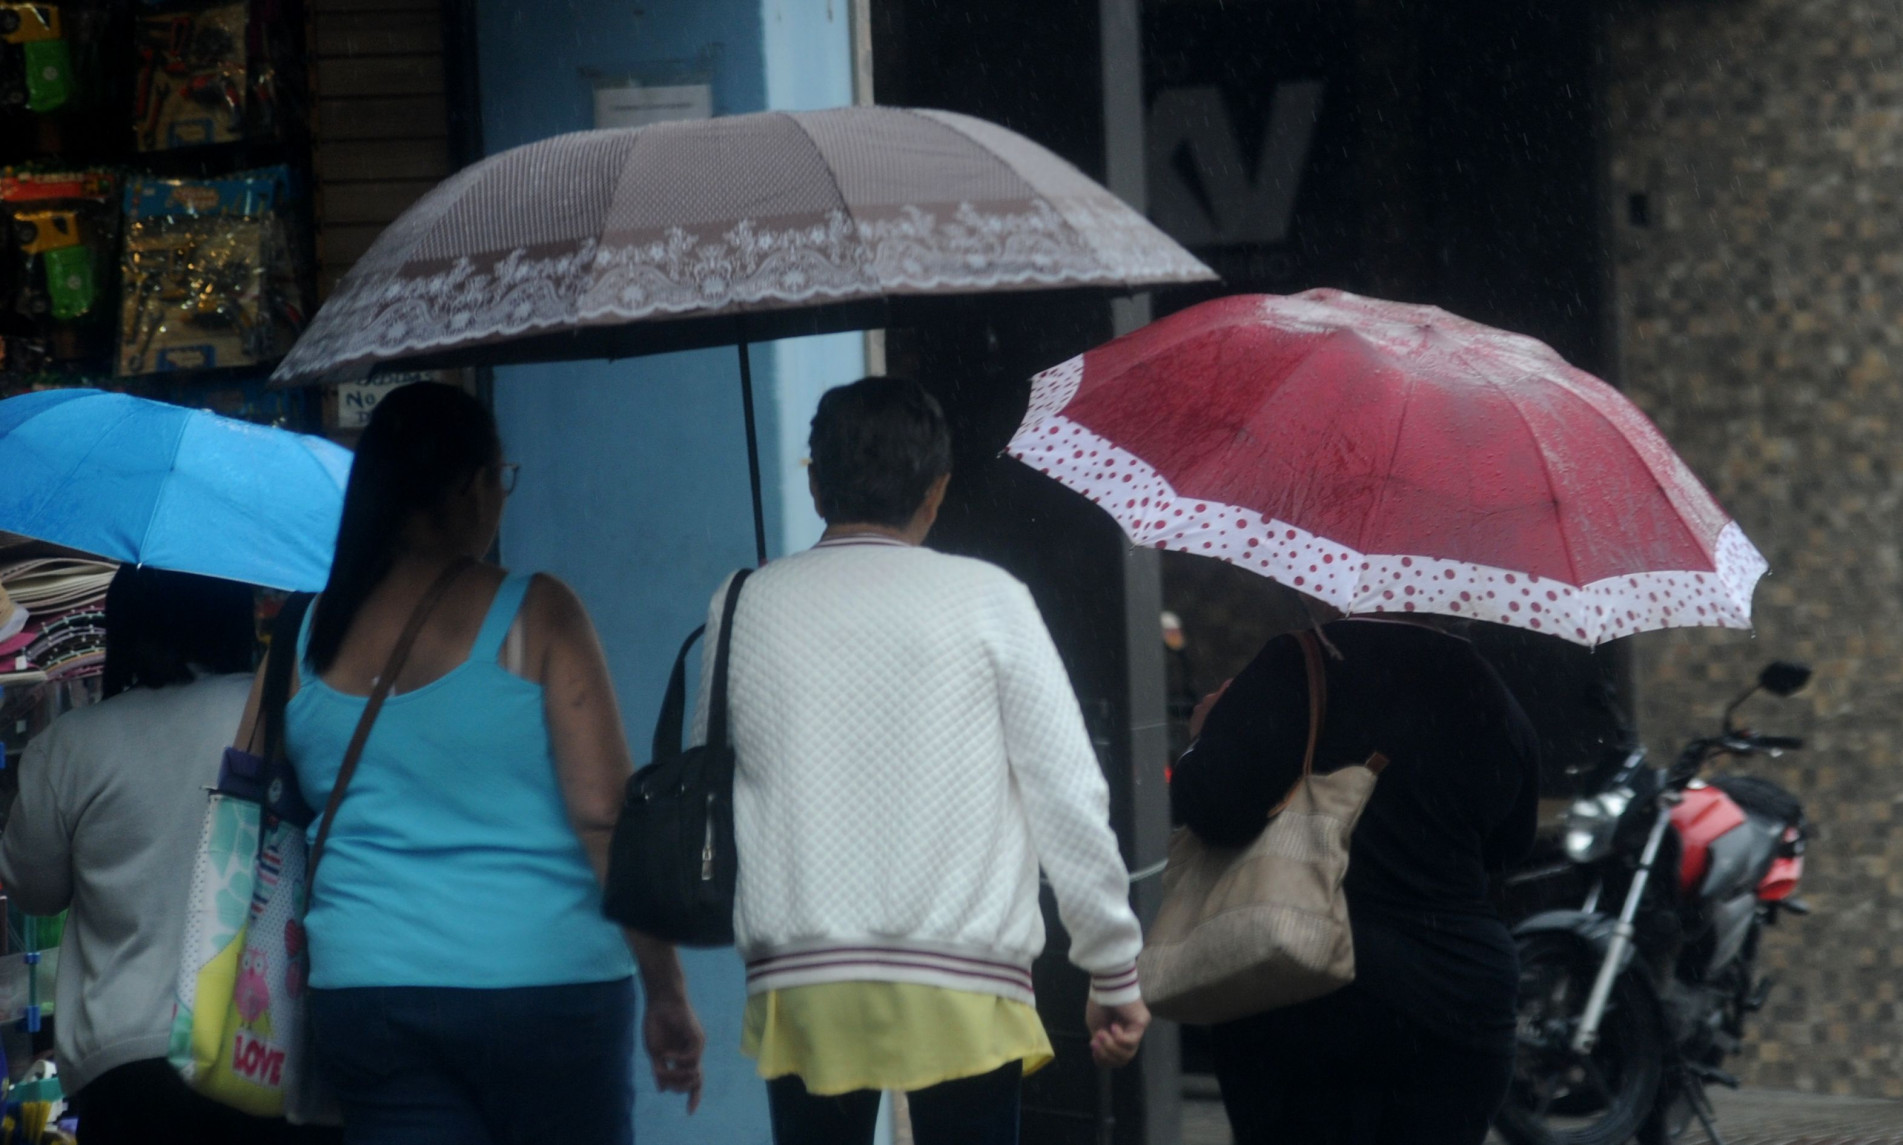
[1248,929]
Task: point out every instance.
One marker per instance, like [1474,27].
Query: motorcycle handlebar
[1750,743]
[1691,762]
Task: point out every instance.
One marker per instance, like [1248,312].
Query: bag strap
[1318,707]
[280,662]
[717,730]
[667,729]
[1317,696]
[398,655]
[1317,712]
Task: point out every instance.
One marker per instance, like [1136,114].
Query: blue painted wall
[633,485]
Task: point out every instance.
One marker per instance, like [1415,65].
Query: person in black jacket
[1419,1048]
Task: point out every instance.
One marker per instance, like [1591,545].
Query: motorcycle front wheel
[1559,1097]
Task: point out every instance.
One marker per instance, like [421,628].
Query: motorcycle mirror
[1784,678]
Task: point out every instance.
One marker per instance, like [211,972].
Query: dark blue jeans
[979,1110]
[431,1065]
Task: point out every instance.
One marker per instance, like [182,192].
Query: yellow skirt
[843,1036]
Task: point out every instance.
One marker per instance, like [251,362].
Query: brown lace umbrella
[606,244]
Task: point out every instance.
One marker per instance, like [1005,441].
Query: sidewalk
[1775,1117]
[1748,1117]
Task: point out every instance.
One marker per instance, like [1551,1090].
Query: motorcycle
[1626,1017]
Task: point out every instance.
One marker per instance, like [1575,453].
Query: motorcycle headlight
[1592,823]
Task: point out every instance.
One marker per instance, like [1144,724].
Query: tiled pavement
[1203,1122]
[1749,1117]
[1776,1117]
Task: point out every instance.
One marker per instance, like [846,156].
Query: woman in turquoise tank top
[461,971]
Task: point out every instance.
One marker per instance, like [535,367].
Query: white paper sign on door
[637,105]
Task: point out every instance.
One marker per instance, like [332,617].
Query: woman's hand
[1116,1032]
[1203,708]
[672,1033]
[675,1041]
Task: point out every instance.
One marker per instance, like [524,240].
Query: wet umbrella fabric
[1387,457]
[181,489]
[636,240]
[607,244]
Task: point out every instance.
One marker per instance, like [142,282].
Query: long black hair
[165,627]
[424,442]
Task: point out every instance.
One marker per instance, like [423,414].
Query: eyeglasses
[508,471]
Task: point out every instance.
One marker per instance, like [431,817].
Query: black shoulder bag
[672,862]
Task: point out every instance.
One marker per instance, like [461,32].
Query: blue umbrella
[176,488]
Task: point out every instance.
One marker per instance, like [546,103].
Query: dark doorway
[1442,152]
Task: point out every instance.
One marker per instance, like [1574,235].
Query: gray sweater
[107,822]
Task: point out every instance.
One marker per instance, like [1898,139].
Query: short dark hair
[877,445]
[162,627]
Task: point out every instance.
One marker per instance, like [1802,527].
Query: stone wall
[1755,149]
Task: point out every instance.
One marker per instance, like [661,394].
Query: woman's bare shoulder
[553,611]
[550,595]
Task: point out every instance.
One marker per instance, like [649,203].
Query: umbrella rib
[171,470]
[1666,490]
[1083,239]
[845,204]
[1546,470]
[1387,474]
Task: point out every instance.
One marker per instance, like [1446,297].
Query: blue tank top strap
[502,610]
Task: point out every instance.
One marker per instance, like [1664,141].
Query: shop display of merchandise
[209,73]
[31,1097]
[209,275]
[33,1110]
[194,77]
[15,666]
[62,229]
[109,272]
[62,635]
[52,645]
[36,58]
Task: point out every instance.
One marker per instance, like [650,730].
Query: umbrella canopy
[762,226]
[1387,457]
[182,489]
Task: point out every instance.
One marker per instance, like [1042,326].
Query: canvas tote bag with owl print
[238,1032]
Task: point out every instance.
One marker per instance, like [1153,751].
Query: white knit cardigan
[910,751]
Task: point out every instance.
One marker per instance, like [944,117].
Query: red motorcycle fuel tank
[1702,815]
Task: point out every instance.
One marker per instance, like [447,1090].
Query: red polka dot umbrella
[1387,457]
